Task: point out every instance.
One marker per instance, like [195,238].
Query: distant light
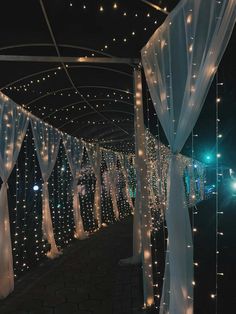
[101,8]
[62,169]
[220,135]
[218,155]
[114,6]
[35,187]
[234,185]
[195,166]
[208,158]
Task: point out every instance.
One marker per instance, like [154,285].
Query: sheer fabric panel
[47,141]
[111,162]
[13,125]
[94,154]
[74,151]
[180,61]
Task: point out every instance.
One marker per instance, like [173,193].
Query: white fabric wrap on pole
[74,151]
[13,126]
[94,155]
[47,222]
[180,61]
[47,141]
[111,160]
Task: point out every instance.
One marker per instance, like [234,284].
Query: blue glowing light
[35,187]
[234,185]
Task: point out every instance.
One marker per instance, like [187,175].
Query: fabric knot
[6,184]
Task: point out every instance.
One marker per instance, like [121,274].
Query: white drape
[74,151]
[111,162]
[47,141]
[94,155]
[180,61]
[13,126]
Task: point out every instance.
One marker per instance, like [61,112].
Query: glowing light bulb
[35,187]
[234,185]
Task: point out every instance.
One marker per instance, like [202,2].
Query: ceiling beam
[116,101]
[78,87]
[156,7]
[57,59]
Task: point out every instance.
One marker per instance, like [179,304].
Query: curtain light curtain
[111,162]
[74,151]
[124,160]
[13,125]
[94,155]
[180,61]
[47,141]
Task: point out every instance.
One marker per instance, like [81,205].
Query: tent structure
[179,62]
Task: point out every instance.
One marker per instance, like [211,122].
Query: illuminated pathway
[85,280]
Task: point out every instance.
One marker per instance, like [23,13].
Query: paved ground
[85,280]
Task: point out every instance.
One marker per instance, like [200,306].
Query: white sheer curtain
[111,162]
[74,151]
[180,61]
[13,126]
[94,154]
[47,141]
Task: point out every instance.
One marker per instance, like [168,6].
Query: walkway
[85,280]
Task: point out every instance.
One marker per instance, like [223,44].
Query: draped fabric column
[125,166]
[47,141]
[111,162]
[13,126]
[180,61]
[74,151]
[94,154]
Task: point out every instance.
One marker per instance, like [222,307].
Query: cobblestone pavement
[85,280]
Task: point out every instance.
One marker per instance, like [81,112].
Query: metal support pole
[142,198]
[57,59]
